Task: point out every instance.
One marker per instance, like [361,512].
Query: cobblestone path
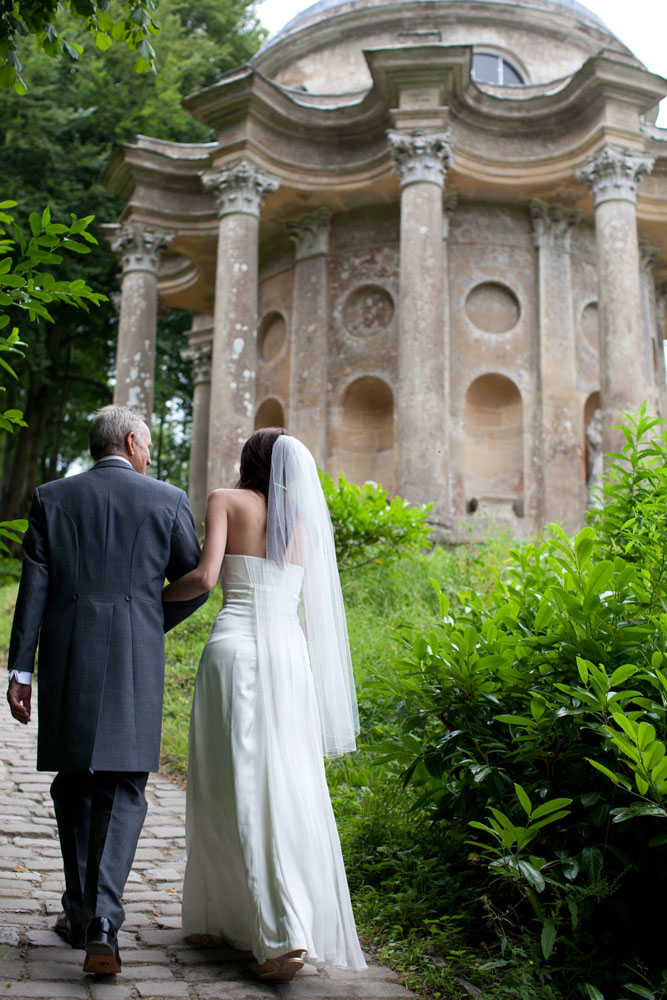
[157,962]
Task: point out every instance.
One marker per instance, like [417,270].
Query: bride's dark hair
[256,460]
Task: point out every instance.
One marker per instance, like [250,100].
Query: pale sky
[640,24]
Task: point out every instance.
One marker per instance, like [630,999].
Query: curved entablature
[253,95]
[541,134]
[308,146]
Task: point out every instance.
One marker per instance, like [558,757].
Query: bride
[274,694]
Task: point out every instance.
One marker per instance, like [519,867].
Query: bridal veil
[299,532]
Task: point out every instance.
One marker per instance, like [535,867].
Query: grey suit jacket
[95,556]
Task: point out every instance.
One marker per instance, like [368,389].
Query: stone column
[421,160]
[454,440]
[240,189]
[139,248]
[648,255]
[199,355]
[661,315]
[309,334]
[560,421]
[614,175]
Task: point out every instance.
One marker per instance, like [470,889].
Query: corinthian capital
[421,156]
[239,187]
[614,174]
[140,247]
[552,224]
[200,357]
[310,233]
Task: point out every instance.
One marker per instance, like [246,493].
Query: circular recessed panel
[271,337]
[368,310]
[493,307]
[590,325]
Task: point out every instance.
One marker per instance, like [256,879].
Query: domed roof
[323,8]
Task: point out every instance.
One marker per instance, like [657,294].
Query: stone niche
[494,477]
[364,435]
[270,413]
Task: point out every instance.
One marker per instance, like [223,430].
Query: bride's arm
[205,574]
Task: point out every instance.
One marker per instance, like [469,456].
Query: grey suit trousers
[100,815]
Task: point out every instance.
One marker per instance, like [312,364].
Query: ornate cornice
[199,355]
[140,247]
[239,187]
[552,224]
[614,174]
[421,157]
[310,233]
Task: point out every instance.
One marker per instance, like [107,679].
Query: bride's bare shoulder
[234,499]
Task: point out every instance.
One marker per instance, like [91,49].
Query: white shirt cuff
[21,676]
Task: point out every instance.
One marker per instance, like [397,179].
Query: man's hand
[18,696]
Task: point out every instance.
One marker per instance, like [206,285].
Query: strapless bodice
[245,580]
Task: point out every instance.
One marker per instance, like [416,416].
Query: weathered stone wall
[363,370]
[493,322]
[273,334]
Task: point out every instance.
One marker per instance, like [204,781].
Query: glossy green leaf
[532,875]
[548,938]
[523,799]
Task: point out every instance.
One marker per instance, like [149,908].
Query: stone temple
[430,238]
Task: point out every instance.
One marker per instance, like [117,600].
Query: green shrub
[534,718]
[368,527]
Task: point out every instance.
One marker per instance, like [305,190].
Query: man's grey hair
[110,427]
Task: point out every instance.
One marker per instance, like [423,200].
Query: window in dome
[487,67]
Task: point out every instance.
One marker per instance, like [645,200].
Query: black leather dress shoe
[102,957]
[73,934]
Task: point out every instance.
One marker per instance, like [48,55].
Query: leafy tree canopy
[130,22]
[54,142]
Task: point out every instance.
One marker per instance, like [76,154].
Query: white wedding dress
[264,867]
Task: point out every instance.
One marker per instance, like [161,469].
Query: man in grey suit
[98,548]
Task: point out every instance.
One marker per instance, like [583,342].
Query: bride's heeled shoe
[281,969]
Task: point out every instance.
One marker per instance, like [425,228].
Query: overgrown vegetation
[504,823]
[371,528]
[532,728]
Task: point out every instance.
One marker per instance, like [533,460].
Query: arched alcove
[364,435]
[270,413]
[493,421]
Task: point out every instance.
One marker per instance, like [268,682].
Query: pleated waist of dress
[258,598]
